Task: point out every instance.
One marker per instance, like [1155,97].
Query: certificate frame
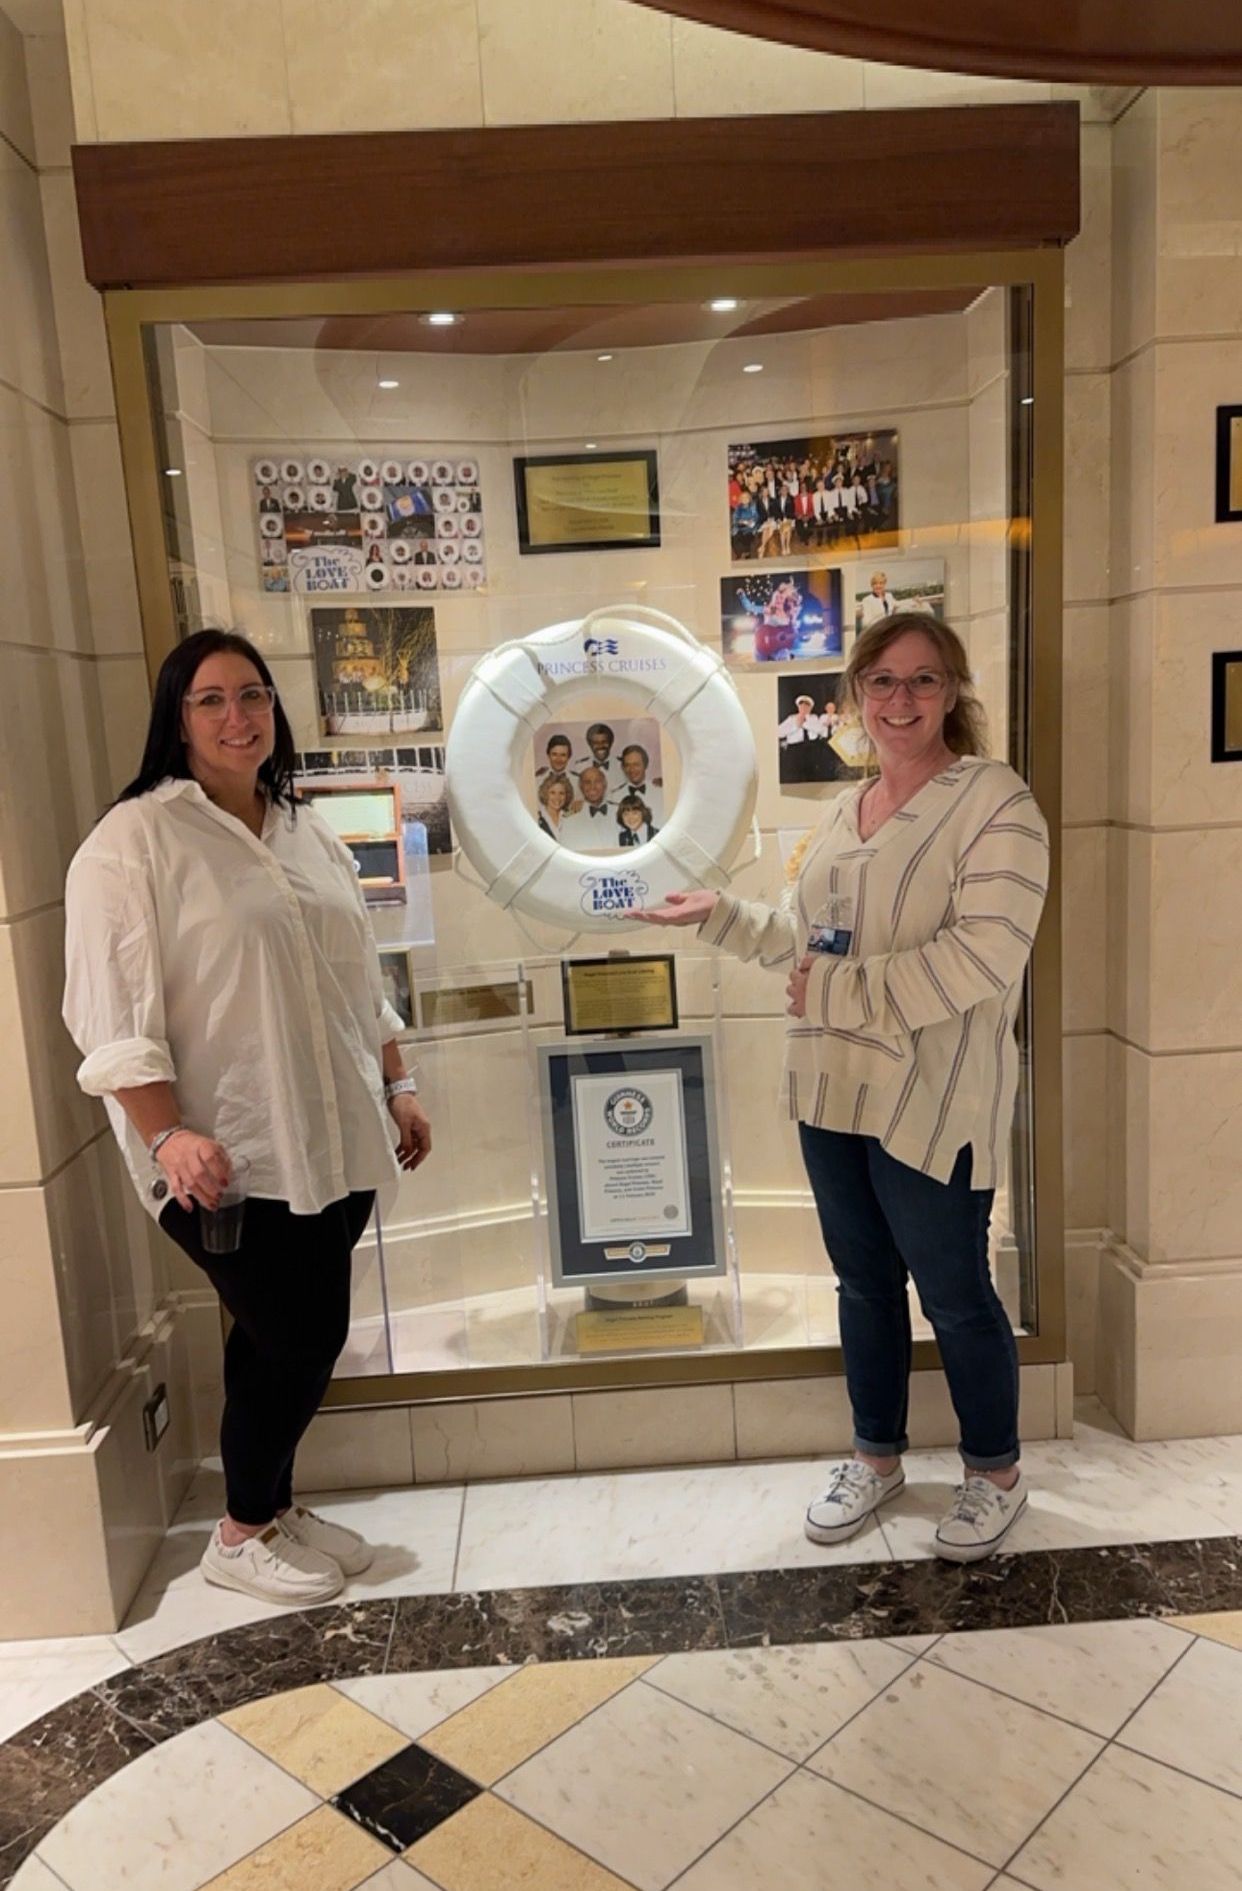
[577,973]
[638,1252]
[1227,705]
[1228,465]
[647,539]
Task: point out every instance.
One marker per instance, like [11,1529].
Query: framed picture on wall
[588,502]
[1228,464]
[781,616]
[377,670]
[819,495]
[1227,705]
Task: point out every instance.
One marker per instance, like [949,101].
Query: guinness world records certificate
[631,1159]
[630,1152]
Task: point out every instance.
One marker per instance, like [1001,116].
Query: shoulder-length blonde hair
[965,726]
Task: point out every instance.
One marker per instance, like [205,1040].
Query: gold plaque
[587,501]
[630,994]
[471,1004]
[640,1329]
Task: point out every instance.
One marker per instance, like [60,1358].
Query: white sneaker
[854,1493]
[274,1567]
[981,1518]
[346,1548]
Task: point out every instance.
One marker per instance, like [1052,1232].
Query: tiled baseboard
[469,1440]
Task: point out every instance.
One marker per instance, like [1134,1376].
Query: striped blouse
[923,934]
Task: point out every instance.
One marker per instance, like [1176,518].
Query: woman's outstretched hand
[679,909]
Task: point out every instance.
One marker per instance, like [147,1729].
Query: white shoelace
[973,1499]
[850,1479]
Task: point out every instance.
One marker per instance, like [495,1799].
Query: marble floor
[1101,1757]
[530,1664]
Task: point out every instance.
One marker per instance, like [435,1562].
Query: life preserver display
[653,663]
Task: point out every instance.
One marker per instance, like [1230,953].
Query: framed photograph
[778,616]
[900,584]
[397,972]
[815,737]
[1227,705]
[377,670]
[813,496]
[1228,464]
[632,1164]
[587,502]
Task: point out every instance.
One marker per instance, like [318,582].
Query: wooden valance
[241,210]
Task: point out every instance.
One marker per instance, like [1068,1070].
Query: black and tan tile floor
[684,1694]
[1090,1756]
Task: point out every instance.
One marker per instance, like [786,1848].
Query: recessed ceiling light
[723,304]
[753,367]
[172,472]
[388,384]
[440,318]
[592,447]
[603,357]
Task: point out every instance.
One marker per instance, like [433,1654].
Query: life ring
[660,669]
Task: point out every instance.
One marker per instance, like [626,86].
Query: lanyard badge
[832,927]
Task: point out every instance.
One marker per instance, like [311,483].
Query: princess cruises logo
[601,647]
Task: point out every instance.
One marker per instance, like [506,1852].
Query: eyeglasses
[256,699]
[881,685]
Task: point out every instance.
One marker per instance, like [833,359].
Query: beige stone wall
[86,1330]
[1171,1307]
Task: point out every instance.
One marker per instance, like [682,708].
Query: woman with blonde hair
[904,938]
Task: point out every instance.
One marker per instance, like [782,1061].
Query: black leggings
[287,1288]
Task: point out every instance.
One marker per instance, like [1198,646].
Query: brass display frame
[129,313]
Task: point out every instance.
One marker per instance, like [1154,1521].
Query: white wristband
[403,1087]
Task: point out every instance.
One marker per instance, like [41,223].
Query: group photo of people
[780,617]
[816,734]
[599,786]
[826,493]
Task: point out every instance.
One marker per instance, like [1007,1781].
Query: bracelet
[165,1135]
[403,1087]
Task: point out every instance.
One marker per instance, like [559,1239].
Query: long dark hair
[164,754]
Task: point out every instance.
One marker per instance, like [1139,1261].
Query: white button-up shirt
[244,972]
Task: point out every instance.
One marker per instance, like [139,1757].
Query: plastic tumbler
[220,1228]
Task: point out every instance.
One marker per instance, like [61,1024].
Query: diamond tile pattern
[1109,1752]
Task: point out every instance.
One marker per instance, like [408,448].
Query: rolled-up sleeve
[114,988]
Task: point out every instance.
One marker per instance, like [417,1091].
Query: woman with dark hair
[904,936]
[224,989]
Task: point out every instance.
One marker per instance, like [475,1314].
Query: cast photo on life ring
[814,496]
[404,520]
[599,785]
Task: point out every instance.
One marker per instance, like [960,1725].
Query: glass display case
[384,483]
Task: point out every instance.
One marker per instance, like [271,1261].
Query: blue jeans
[882,1223]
